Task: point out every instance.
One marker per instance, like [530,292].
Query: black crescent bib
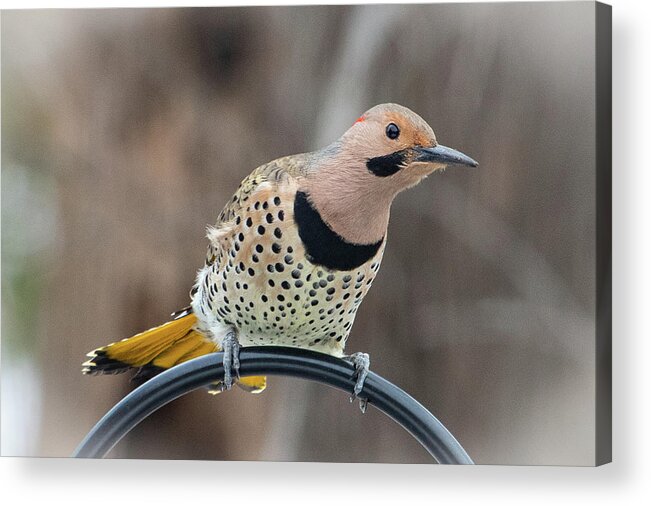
[323,245]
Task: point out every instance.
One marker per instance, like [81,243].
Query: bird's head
[388,149]
[392,140]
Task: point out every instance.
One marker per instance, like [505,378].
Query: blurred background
[124,132]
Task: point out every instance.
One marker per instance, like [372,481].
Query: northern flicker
[294,252]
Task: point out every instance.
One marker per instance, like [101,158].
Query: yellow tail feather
[253,384]
[160,348]
[188,346]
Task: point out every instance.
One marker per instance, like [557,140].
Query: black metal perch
[271,360]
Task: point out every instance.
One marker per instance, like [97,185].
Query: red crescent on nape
[360,119]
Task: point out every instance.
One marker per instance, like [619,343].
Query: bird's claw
[362,363]
[231,347]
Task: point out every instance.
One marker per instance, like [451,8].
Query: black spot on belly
[323,245]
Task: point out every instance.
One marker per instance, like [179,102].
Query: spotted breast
[276,273]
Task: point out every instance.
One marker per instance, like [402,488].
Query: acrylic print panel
[126,132]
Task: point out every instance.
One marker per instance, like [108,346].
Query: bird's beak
[443,154]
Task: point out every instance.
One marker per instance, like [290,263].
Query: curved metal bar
[272,360]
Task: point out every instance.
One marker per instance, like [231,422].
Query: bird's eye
[393,131]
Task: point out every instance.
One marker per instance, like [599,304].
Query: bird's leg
[362,363]
[231,347]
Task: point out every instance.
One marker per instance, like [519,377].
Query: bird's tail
[159,348]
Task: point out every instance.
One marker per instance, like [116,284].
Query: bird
[293,253]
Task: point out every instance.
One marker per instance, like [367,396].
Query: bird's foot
[231,347]
[362,363]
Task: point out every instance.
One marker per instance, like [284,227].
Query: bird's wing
[274,173]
